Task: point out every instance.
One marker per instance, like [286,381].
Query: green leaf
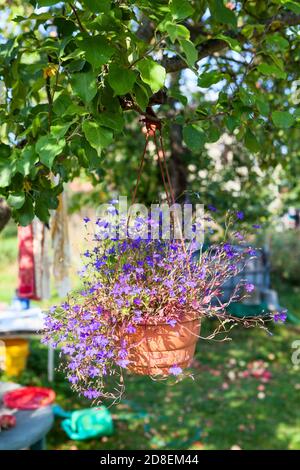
[194,137]
[25,215]
[190,52]
[97,50]
[213,134]
[221,14]
[48,148]
[98,137]
[93,160]
[114,121]
[271,70]
[141,96]
[176,31]
[181,9]
[293,6]
[84,85]
[211,78]
[278,41]
[41,209]
[282,119]
[232,122]
[251,141]
[173,93]
[59,130]
[232,42]
[16,200]
[74,109]
[247,98]
[27,160]
[262,106]
[5,151]
[121,79]
[5,175]
[61,104]
[97,6]
[47,3]
[152,73]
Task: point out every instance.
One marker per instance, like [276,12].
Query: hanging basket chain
[154,130]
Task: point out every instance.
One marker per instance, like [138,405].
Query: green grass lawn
[224,406]
[228,408]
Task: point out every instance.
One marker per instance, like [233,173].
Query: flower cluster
[133,281]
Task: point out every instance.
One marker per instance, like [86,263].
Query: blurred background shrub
[285,255]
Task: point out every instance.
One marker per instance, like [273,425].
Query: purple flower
[229,250]
[99,263]
[123,363]
[73,379]
[202,273]
[68,349]
[131,329]
[280,316]
[86,220]
[93,371]
[91,393]
[99,309]
[101,341]
[212,208]
[249,287]
[175,370]
[257,226]
[172,322]
[239,236]
[127,267]
[240,215]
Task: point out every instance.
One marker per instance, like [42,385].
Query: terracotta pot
[157,347]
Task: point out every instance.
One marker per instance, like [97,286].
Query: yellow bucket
[14,353]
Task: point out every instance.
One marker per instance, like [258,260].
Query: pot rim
[185,319]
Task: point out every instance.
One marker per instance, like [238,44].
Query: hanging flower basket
[160,348]
[143,298]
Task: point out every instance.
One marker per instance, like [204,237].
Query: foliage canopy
[73,76]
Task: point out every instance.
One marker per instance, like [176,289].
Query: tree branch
[81,27]
[211,46]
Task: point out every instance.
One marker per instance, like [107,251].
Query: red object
[26,287]
[7,421]
[29,398]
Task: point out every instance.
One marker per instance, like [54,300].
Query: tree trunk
[5,213]
[177,163]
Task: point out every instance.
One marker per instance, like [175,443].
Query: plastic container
[15,355]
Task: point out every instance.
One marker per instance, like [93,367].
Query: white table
[31,426]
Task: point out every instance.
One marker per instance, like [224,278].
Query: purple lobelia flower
[175,370]
[249,287]
[172,322]
[91,393]
[123,363]
[280,316]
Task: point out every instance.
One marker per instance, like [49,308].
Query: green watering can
[85,424]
